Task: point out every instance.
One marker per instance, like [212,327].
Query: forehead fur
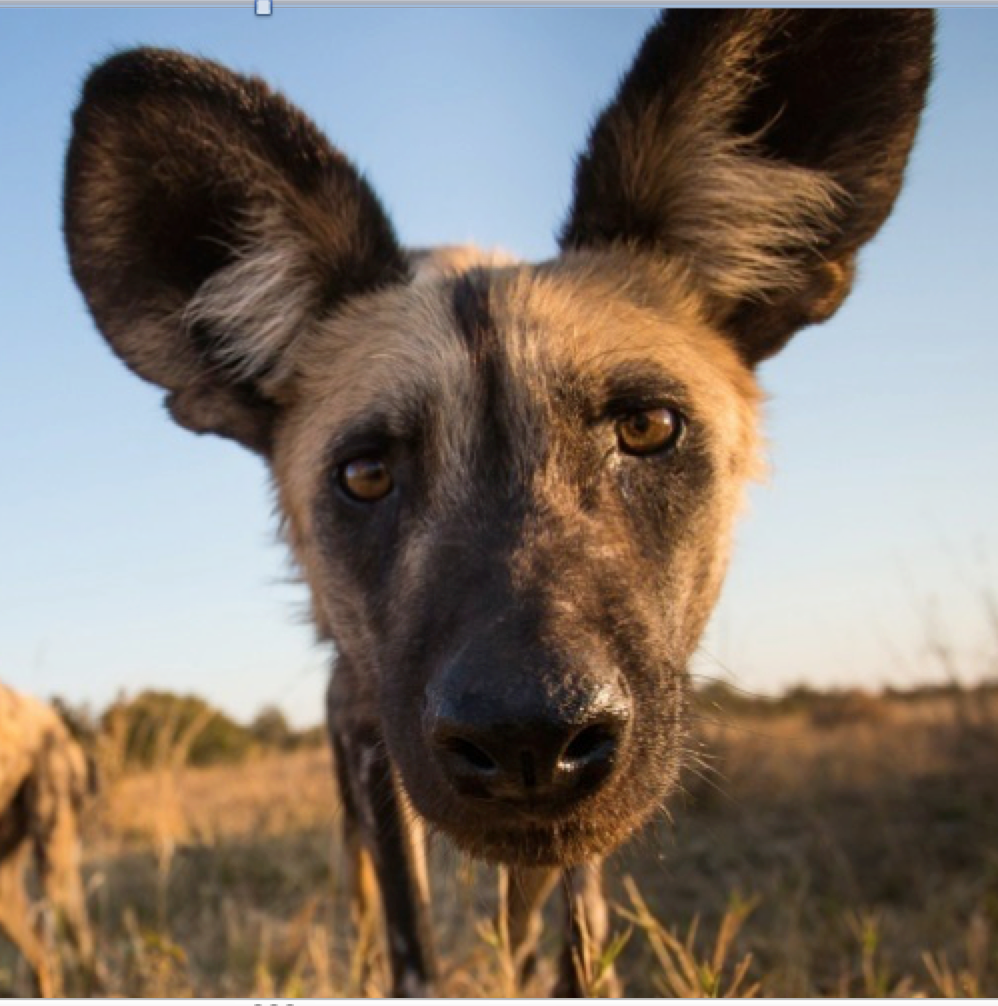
[592,313]
[586,313]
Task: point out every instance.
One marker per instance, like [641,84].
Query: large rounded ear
[763,148]
[209,224]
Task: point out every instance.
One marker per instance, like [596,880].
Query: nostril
[470,754]
[528,772]
[594,743]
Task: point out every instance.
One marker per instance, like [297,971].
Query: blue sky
[133,554]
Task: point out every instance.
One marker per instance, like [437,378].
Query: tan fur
[753,246]
[252,296]
[43,780]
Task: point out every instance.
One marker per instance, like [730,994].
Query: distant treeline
[156,728]
[826,704]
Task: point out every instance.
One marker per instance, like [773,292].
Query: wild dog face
[510,487]
[534,564]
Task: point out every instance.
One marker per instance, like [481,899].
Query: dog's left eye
[649,431]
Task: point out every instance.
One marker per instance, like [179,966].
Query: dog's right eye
[366,480]
[649,431]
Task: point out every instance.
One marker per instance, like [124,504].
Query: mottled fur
[525,573]
[43,784]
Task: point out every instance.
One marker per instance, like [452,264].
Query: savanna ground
[826,845]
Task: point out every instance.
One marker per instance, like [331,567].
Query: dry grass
[849,852]
[867,848]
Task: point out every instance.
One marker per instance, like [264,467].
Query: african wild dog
[45,778]
[509,487]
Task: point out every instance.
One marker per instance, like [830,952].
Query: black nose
[529,744]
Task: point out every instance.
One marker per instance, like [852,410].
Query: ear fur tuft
[762,148]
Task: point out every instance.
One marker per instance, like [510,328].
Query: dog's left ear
[761,147]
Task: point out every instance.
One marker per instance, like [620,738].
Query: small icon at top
[265,7]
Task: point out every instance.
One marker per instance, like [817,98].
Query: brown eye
[648,431]
[366,480]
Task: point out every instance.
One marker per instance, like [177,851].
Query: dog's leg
[377,827]
[58,857]
[588,928]
[15,922]
[361,883]
[386,836]
[524,892]
[54,795]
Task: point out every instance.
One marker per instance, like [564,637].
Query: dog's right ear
[209,224]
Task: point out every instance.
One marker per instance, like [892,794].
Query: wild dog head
[510,487]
